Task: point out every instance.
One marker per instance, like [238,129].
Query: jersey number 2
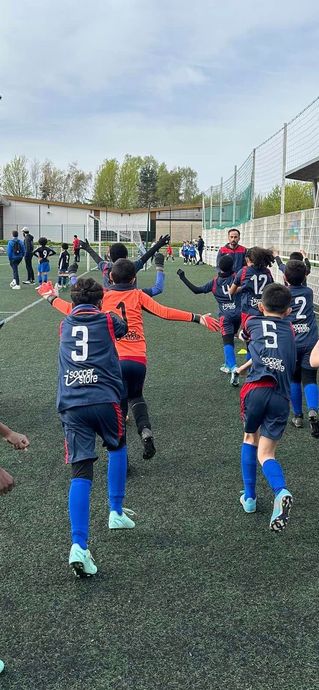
[82,343]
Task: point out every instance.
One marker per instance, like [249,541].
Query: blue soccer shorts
[267,410]
[44,267]
[82,424]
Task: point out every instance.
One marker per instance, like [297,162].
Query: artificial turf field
[199,595]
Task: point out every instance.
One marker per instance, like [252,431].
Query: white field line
[7,312]
[29,306]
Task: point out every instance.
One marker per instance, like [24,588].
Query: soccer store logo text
[301,328]
[273,363]
[83,377]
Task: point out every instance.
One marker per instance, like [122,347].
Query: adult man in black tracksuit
[28,243]
[200,248]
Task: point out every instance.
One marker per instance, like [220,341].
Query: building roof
[6,199]
[307,172]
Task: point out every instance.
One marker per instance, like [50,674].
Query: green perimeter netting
[230,203]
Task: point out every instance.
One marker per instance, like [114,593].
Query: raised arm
[170,314]
[280,264]
[196,289]
[84,244]
[164,239]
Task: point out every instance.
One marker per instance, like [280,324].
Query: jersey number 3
[81,343]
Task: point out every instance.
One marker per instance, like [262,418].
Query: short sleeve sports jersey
[303,317]
[89,369]
[43,253]
[226,303]
[273,351]
[252,282]
[238,255]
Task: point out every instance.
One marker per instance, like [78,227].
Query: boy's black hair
[123,271]
[261,258]
[226,263]
[75,236]
[87,291]
[64,245]
[233,230]
[15,233]
[43,241]
[295,272]
[296,256]
[118,250]
[276,298]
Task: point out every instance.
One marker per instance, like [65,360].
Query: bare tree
[16,178]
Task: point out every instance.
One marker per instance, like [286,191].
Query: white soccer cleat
[117,521]
[81,562]
[16,287]
[13,283]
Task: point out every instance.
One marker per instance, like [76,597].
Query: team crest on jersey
[83,377]
[301,328]
[254,302]
[230,306]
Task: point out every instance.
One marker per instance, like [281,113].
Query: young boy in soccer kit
[76,248]
[304,323]
[43,253]
[294,256]
[118,250]
[265,399]
[169,253]
[63,265]
[124,299]
[192,254]
[229,308]
[90,389]
[252,280]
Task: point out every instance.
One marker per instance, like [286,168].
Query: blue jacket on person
[12,255]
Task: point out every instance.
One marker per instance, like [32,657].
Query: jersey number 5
[82,343]
[269,333]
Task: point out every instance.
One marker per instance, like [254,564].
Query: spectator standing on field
[15,251]
[200,249]
[28,246]
[76,248]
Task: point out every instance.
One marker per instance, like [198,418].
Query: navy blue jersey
[273,351]
[238,255]
[64,260]
[89,369]
[302,316]
[226,303]
[252,282]
[43,253]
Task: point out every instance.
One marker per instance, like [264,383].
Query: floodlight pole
[253,176]
[211,209]
[88,239]
[283,172]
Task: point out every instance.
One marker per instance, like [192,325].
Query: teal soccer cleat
[249,504]
[225,369]
[1,666]
[280,514]
[117,521]
[81,562]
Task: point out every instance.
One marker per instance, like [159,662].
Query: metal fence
[65,233]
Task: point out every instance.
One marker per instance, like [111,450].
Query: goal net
[102,235]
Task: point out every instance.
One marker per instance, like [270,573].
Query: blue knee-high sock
[230,359]
[311,395]
[296,397]
[79,510]
[249,469]
[116,477]
[40,279]
[273,472]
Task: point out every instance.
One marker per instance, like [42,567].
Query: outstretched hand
[210,322]
[180,273]
[47,290]
[6,482]
[84,244]
[18,441]
[164,239]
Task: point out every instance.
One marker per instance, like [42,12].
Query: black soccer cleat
[148,444]
[314,423]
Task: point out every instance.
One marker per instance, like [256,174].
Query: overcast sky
[193,83]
